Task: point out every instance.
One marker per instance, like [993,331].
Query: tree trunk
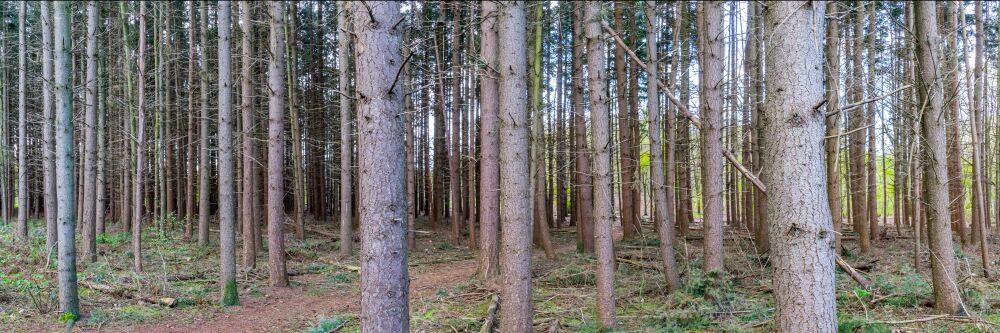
[248,198]
[657,176]
[978,169]
[584,189]
[227,195]
[537,167]
[856,140]
[140,146]
[489,175]
[624,122]
[343,57]
[603,208]
[277,274]
[946,295]
[69,301]
[298,185]
[203,164]
[90,124]
[189,188]
[48,119]
[833,122]
[711,47]
[22,127]
[802,238]
[956,188]
[515,188]
[382,176]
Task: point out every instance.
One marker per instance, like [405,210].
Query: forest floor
[445,296]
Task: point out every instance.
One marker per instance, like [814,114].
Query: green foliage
[66,317]
[341,277]
[909,287]
[325,324]
[848,323]
[443,246]
[38,289]
[229,294]
[114,240]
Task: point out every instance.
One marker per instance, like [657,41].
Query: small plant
[329,324]
[443,246]
[35,286]
[113,239]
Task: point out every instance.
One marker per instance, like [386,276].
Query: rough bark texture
[801,233]
[622,104]
[935,177]
[658,177]
[584,187]
[69,302]
[489,167]
[227,193]
[382,174]
[833,122]
[49,151]
[515,187]
[250,182]
[140,147]
[711,43]
[956,188]
[203,164]
[856,141]
[603,205]
[343,57]
[90,155]
[277,275]
[22,127]
[189,186]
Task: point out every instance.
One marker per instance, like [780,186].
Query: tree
[189,186]
[657,175]
[599,124]
[489,175]
[833,122]
[583,179]
[343,57]
[629,225]
[140,146]
[856,140]
[90,124]
[203,165]
[22,126]
[277,275]
[382,174]
[929,88]
[249,196]
[48,119]
[227,195]
[710,44]
[515,188]
[978,145]
[454,179]
[802,235]
[69,302]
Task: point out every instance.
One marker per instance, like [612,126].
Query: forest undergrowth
[179,289]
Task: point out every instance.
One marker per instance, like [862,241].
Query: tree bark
[69,302]
[946,294]
[801,233]
[249,195]
[382,175]
[189,188]
[343,57]
[90,124]
[833,122]
[515,188]
[603,208]
[22,127]
[657,175]
[711,48]
[624,122]
[856,140]
[140,146]
[277,275]
[489,167]
[227,195]
[48,119]
[584,187]
[203,163]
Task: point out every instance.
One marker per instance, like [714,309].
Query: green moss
[229,294]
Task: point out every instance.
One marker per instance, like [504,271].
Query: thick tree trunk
[711,48]
[802,235]
[382,174]
[946,295]
[277,275]
[657,176]
[343,57]
[603,208]
[69,301]
[515,187]
[489,167]
[227,194]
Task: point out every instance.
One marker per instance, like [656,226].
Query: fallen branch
[685,112]
[853,273]
[491,315]
[638,264]
[351,268]
[126,293]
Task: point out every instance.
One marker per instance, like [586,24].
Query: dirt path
[293,309]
